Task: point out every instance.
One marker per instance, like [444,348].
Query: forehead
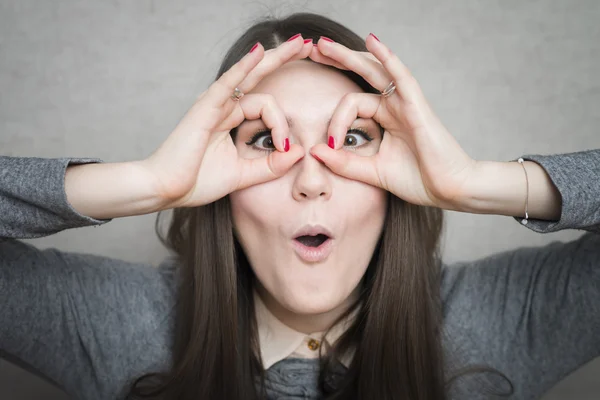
[304,86]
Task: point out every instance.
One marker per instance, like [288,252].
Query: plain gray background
[110,79]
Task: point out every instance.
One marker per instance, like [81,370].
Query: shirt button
[313,344]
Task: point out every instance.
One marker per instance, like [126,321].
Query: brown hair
[396,335]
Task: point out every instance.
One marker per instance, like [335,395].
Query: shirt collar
[278,341]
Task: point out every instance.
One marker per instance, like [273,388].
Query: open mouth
[312,241]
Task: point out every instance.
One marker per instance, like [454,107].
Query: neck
[305,323]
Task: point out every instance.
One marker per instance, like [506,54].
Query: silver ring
[237,94]
[390,88]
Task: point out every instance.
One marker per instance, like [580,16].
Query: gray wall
[110,79]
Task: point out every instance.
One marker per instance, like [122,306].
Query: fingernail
[325,38]
[318,159]
[314,44]
[293,37]
[331,142]
[307,41]
[254,47]
[376,38]
[286,145]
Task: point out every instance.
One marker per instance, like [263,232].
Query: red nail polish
[254,47]
[318,159]
[325,38]
[307,41]
[376,38]
[331,142]
[293,37]
[314,44]
[286,145]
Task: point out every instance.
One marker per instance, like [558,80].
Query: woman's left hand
[418,159]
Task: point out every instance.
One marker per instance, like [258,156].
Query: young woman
[307,184]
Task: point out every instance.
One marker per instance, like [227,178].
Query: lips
[313,230]
[313,243]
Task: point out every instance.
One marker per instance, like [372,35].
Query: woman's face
[281,224]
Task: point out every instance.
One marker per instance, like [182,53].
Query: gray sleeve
[577,178]
[33,202]
[533,313]
[83,322]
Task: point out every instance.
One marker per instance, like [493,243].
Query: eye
[356,137]
[262,141]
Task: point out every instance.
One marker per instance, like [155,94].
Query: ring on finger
[237,94]
[390,88]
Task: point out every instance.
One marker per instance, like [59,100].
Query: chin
[301,302]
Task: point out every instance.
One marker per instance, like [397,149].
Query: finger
[348,164]
[275,58]
[260,106]
[221,90]
[317,56]
[207,111]
[351,107]
[362,63]
[305,51]
[264,169]
[406,84]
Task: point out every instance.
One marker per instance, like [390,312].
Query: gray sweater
[90,323]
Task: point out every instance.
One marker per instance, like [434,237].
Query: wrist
[502,188]
[111,190]
[496,188]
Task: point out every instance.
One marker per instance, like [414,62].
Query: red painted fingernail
[286,145]
[318,159]
[293,37]
[254,47]
[331,142]
[376,38]
[325,38]
[307,41]
[314,44]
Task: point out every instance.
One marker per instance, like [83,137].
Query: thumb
[348,164]
[264,169]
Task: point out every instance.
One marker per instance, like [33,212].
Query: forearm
[501,188]
[111,190]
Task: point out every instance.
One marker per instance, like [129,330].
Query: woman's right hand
[198,163]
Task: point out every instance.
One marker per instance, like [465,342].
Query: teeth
[312,241]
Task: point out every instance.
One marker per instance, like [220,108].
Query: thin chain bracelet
[524,220]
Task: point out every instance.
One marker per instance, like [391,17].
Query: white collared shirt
[278,341]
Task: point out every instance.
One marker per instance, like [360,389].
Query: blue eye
[356,138]
[262,141]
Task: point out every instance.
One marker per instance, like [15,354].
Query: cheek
[364,206]
[364,209]
[255,213]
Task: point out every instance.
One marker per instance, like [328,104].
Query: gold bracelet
[524,220]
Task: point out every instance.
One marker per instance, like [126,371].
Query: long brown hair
[396,336]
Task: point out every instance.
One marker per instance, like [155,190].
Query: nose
[313,180]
